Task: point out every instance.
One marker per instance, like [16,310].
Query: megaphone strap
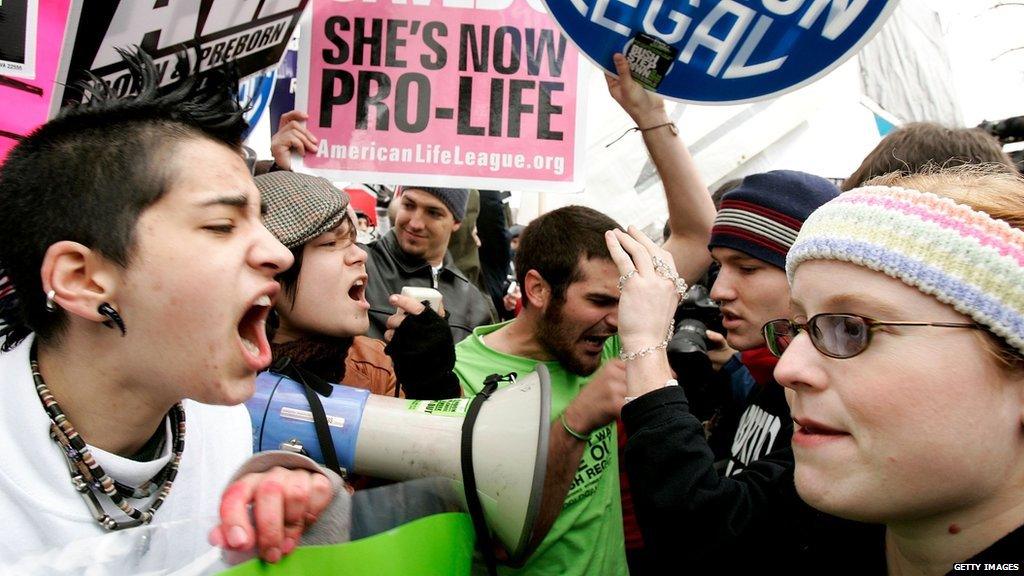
[313,392]
[476,511]
[323,431]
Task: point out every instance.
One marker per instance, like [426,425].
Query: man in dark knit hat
[720,513]
[415,253]
[745,516]
[755,226]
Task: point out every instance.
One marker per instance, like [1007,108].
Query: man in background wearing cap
[690,513]
[415,253]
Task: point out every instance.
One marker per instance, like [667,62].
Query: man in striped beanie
[728,519]
[755,226]
[761,216]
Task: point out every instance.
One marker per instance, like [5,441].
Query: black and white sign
[248,33]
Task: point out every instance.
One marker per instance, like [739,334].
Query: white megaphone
[400,439]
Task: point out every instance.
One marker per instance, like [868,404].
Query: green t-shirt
[586,538]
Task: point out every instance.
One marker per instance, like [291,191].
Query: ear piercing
[113,318]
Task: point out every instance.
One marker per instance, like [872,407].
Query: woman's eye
[220,228]
[854,328]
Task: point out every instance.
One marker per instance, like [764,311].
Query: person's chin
[840,497]
[586,364]
[229,391]
[357,325]
[412,249]
[409,242]
[810,489]
[741,341]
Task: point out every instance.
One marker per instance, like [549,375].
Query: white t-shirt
[41,510]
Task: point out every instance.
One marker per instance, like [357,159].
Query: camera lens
[690,337]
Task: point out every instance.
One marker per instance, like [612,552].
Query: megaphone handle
[476,511]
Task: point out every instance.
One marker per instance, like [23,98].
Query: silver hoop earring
[51,306]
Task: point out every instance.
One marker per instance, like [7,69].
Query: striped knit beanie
[762,216]
[961,256]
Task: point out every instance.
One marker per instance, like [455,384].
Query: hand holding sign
[645,107]
[291,134]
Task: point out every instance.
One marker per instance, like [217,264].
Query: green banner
[437,544]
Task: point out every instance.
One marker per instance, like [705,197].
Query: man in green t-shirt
[569,322]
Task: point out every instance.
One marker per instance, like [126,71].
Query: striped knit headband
[962,257]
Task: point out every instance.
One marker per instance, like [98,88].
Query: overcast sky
[977,33]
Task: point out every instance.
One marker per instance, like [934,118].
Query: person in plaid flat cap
[322,314]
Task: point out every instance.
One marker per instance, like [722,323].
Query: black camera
[696,314]
[688,349]
[698,305]
[1007,130]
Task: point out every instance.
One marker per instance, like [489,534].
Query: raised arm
[689,514]
[690,209]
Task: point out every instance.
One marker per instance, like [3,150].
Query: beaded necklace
[88,476]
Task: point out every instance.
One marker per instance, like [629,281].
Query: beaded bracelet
[571,432]
[627,356]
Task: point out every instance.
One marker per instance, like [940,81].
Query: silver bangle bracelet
[627,356]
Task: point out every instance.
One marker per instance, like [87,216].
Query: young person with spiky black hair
[142,275]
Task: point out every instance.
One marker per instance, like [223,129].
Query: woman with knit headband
[904,370]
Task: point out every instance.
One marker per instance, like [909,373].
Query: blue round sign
[721,51]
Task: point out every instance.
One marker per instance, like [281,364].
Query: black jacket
[690,514]
[389,269]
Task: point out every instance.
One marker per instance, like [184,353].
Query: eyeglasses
[837,335]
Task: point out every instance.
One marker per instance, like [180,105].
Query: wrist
[572,432]
[573,423]
[647,374]
[732,364]
[640,346]
[668,383]
[652,117]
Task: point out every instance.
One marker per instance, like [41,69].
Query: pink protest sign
[26,99]
[475,93]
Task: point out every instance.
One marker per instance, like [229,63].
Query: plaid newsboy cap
[300,207]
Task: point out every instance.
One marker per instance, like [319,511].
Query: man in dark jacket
[415,253]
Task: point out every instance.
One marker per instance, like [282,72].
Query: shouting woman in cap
[323,313]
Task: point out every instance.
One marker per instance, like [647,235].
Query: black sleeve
[423,353]
[495,253]
[689,515]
